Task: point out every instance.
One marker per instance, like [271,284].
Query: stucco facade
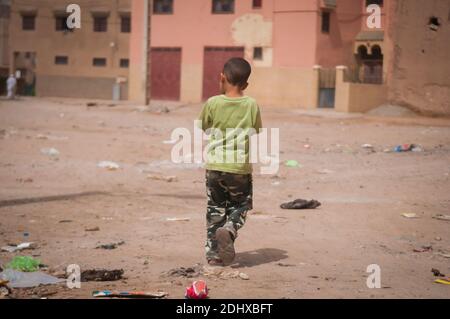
[4,38]
[288,32]
[419,67]
[76,76]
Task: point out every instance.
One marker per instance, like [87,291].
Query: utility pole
[148,32]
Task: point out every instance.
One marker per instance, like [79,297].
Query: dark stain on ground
[44,199]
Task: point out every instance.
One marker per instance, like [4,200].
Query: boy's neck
[234,92]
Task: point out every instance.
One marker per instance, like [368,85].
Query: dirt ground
[320,253]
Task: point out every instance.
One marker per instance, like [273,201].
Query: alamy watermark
[232,146]
[73,280]
[374,19]
[374,279]
[74,19]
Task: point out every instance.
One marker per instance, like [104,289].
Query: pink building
[294,47]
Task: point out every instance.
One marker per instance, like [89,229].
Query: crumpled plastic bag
[24,263]
[18,279]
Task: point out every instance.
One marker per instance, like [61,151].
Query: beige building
[53,60]
[4,36]
[306,54]
[418,42]
[416,66]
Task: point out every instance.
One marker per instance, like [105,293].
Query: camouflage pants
[229,200]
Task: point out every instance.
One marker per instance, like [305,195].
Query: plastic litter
[22,246]
[178,219]
[52,152]
[51,137]
[17,279]
[244,276]
[408,148]
[198,290]
[368,147]
[24,263]
[423,249]
[410,215]
[442,217]
[443,281]
[129,294]
[111,166]
[292,164]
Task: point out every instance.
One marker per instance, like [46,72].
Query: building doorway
[25,70]
[214,60]
[166,73]
[327,87]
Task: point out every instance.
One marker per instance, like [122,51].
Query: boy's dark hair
[237,71]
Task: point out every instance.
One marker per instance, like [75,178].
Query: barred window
[125,24]
[61,60]
[163,6]
[124,63]
[99,62]
[61,23]
[258,53]
[223,6]
[28,22]
[325,22]
[257,4]
[100,24]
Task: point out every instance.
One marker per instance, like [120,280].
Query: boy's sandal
[215,262]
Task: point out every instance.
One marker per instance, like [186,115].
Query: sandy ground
[320,253]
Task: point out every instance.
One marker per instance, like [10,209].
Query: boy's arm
[258,122]
[205,118]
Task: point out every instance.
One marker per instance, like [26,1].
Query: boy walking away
[231,118]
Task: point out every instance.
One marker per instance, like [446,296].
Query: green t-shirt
[230,122]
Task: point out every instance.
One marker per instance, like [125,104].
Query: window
[163,6]
[222,6]
[100,24]
[378,2]
[257,4]
[61,60]
[61,23]
[28,22]
[124,63]
[5,10]
[101,62]
[125,24]
[257,53]
[325,22]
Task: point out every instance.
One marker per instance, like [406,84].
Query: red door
[166,73]
[214,59]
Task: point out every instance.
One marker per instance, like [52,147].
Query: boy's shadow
[259,257]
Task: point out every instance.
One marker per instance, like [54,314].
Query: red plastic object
[198,290]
